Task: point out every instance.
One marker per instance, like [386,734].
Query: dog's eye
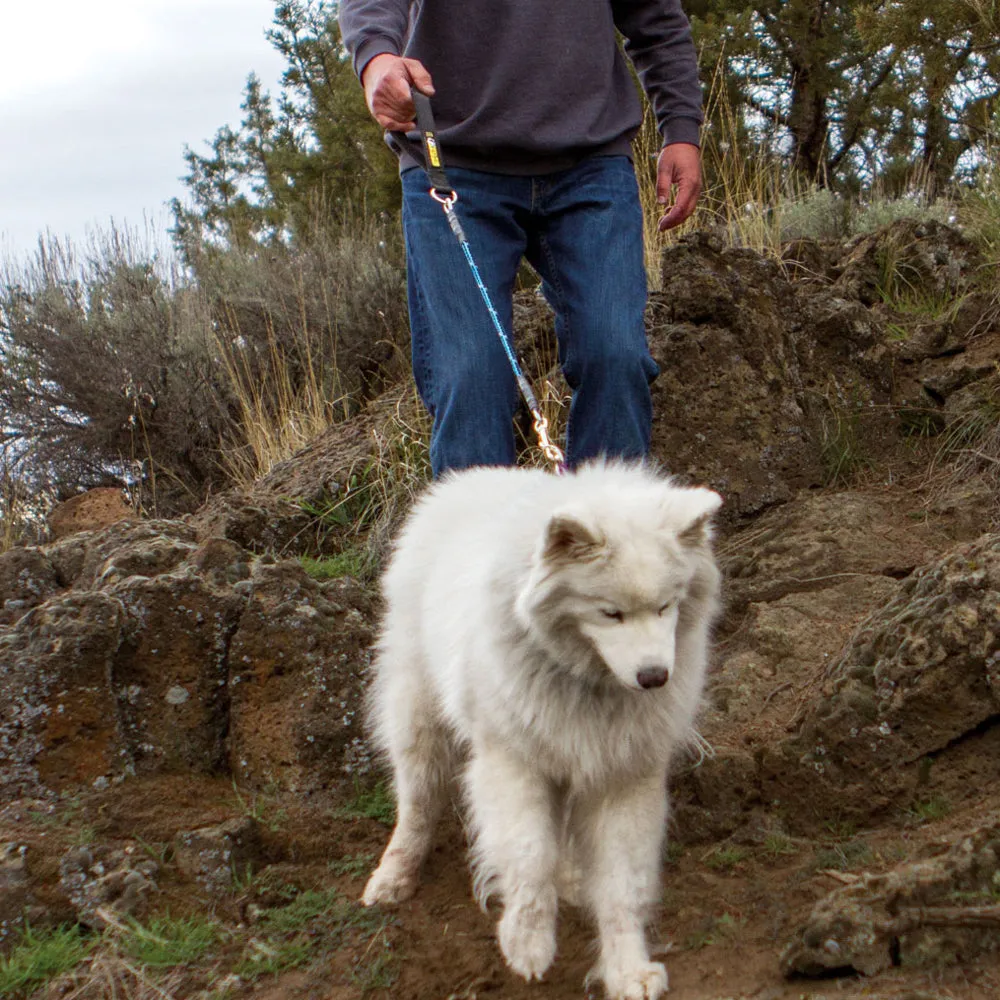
[615,616]
[666,607]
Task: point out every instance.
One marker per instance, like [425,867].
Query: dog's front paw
[389,884]
[647,981]
[527,936]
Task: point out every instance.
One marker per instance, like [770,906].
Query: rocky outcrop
[770,369]
[919,675]
[754,367]
[140,649]
[104,883]
[194,645]
[216,856]
[924,256]
[825,710]
[933,913]
[297,672]
[97,508]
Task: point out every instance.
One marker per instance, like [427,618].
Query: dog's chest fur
[574,731]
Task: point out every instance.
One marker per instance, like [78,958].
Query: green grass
[777,845]
[378,973]
[66,813]
[374,802]
[291,935]
[39,956]
[675,852]
[842,829]
[261,807]
[926,810]
[926,304]
[975,897]
[351,562]
[716,930]
[303,910]
[265,957]
[167,941]
[160,852]
[726,859]
[843,857]
[843,453]
[83,836]
[355,865]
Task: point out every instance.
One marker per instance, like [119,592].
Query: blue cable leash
[446,196]
[522,382]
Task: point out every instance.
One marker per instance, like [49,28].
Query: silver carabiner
[447,200]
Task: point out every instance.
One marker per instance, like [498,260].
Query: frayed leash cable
[446,196]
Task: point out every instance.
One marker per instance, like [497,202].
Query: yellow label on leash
[432,150]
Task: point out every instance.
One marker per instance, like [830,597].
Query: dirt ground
[726,911]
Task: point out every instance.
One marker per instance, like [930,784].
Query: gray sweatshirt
[534,86]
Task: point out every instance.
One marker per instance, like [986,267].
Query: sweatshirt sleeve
[658,41]
[371,27]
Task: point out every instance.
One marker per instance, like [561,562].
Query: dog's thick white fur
[551,633]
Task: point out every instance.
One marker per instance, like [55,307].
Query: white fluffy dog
[552,632]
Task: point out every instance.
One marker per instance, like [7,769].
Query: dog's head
[619,572]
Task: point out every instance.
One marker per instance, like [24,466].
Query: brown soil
[727,908]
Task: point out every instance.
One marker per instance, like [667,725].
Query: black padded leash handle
[433,160]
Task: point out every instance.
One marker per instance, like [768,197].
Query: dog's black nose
[652,677]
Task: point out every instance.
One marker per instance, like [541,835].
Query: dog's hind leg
[409,729]
[622,834]
[515,854]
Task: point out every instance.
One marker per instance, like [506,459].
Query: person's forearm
[658,41]
[372,27]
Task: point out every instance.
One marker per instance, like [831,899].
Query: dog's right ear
[568,539]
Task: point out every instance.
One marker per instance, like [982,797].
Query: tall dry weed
[304,336]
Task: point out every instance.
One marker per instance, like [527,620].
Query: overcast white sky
[98,98]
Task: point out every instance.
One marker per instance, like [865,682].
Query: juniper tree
[296,160]
[847,91]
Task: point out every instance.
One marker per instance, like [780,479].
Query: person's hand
[679,166]
[388,80]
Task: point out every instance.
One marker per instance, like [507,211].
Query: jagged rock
[797,585]
[297,675]
[27,577]
[752,367]
[16,900]
[58,718]
[258,524]
[937,912]
[131,669]
[919,675]
[171,669]
[146,549]
[216,856]
[101,881]
[927,255]
[822,539]
[97,508]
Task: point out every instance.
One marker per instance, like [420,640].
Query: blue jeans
[581,229]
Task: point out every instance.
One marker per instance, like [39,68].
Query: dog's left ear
[694,514]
